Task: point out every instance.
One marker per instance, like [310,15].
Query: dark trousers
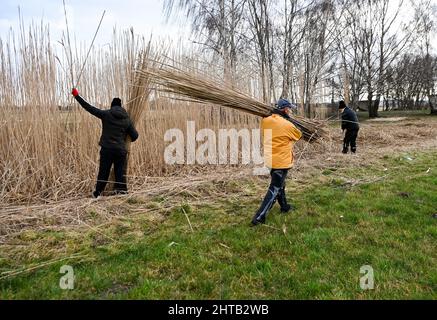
[350,138]
[276,192]
[107,158]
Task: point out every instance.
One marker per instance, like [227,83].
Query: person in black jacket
[349,122]
[116,126]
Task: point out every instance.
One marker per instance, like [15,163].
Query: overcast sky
[145,16]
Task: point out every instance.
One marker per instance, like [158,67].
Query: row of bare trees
[410,81]
[356,49]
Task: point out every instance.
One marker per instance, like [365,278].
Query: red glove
[75,93]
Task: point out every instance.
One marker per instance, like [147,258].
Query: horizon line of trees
[359,48]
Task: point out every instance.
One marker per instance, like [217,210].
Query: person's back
[349,119]
[278,147]
[349,122]
[116,124]
[116,127]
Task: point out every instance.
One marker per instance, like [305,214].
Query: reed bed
[49,146]
[49,155]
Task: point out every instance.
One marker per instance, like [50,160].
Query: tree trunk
[373,112]
[346,86]
[433,108]
[375,105]
[307,86]
[263,82]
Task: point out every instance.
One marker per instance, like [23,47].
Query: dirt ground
[376,140]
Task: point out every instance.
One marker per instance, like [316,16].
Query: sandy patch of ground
[394,119]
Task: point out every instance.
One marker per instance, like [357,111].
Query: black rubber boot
[266,205]
[282,200]
[276,185]
[256,221]
[346,143]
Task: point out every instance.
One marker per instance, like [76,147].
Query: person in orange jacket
[279,137]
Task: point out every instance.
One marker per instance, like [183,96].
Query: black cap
[341,105]
[116,102]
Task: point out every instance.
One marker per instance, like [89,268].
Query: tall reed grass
[49,145]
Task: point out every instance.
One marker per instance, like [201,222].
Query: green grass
[364,115]
[313,253]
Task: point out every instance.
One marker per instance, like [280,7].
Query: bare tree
[291,37]
[319,44]
[390,47]
[350,43]
[371,46]
[425,14]
[262,31]
[215,23]
[293,48]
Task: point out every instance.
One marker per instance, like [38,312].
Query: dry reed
[199,88]
[49,145]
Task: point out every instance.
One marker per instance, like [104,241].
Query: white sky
[145,16]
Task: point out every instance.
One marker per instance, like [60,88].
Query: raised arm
[84,104]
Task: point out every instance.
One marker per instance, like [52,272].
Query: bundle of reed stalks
[139,90]
[198,88]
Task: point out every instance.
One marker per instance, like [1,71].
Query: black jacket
[349,120]
[116,125]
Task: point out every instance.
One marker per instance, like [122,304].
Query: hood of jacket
[119,112]
[280,113]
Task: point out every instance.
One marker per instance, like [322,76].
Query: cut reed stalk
[195,87]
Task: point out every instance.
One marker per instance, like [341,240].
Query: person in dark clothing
[116,126]
[349,122]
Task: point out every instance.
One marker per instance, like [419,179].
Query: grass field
[183,231]
[379,215]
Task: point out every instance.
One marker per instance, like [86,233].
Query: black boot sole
[254,223]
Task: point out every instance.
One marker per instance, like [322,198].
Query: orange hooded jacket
[279,136]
